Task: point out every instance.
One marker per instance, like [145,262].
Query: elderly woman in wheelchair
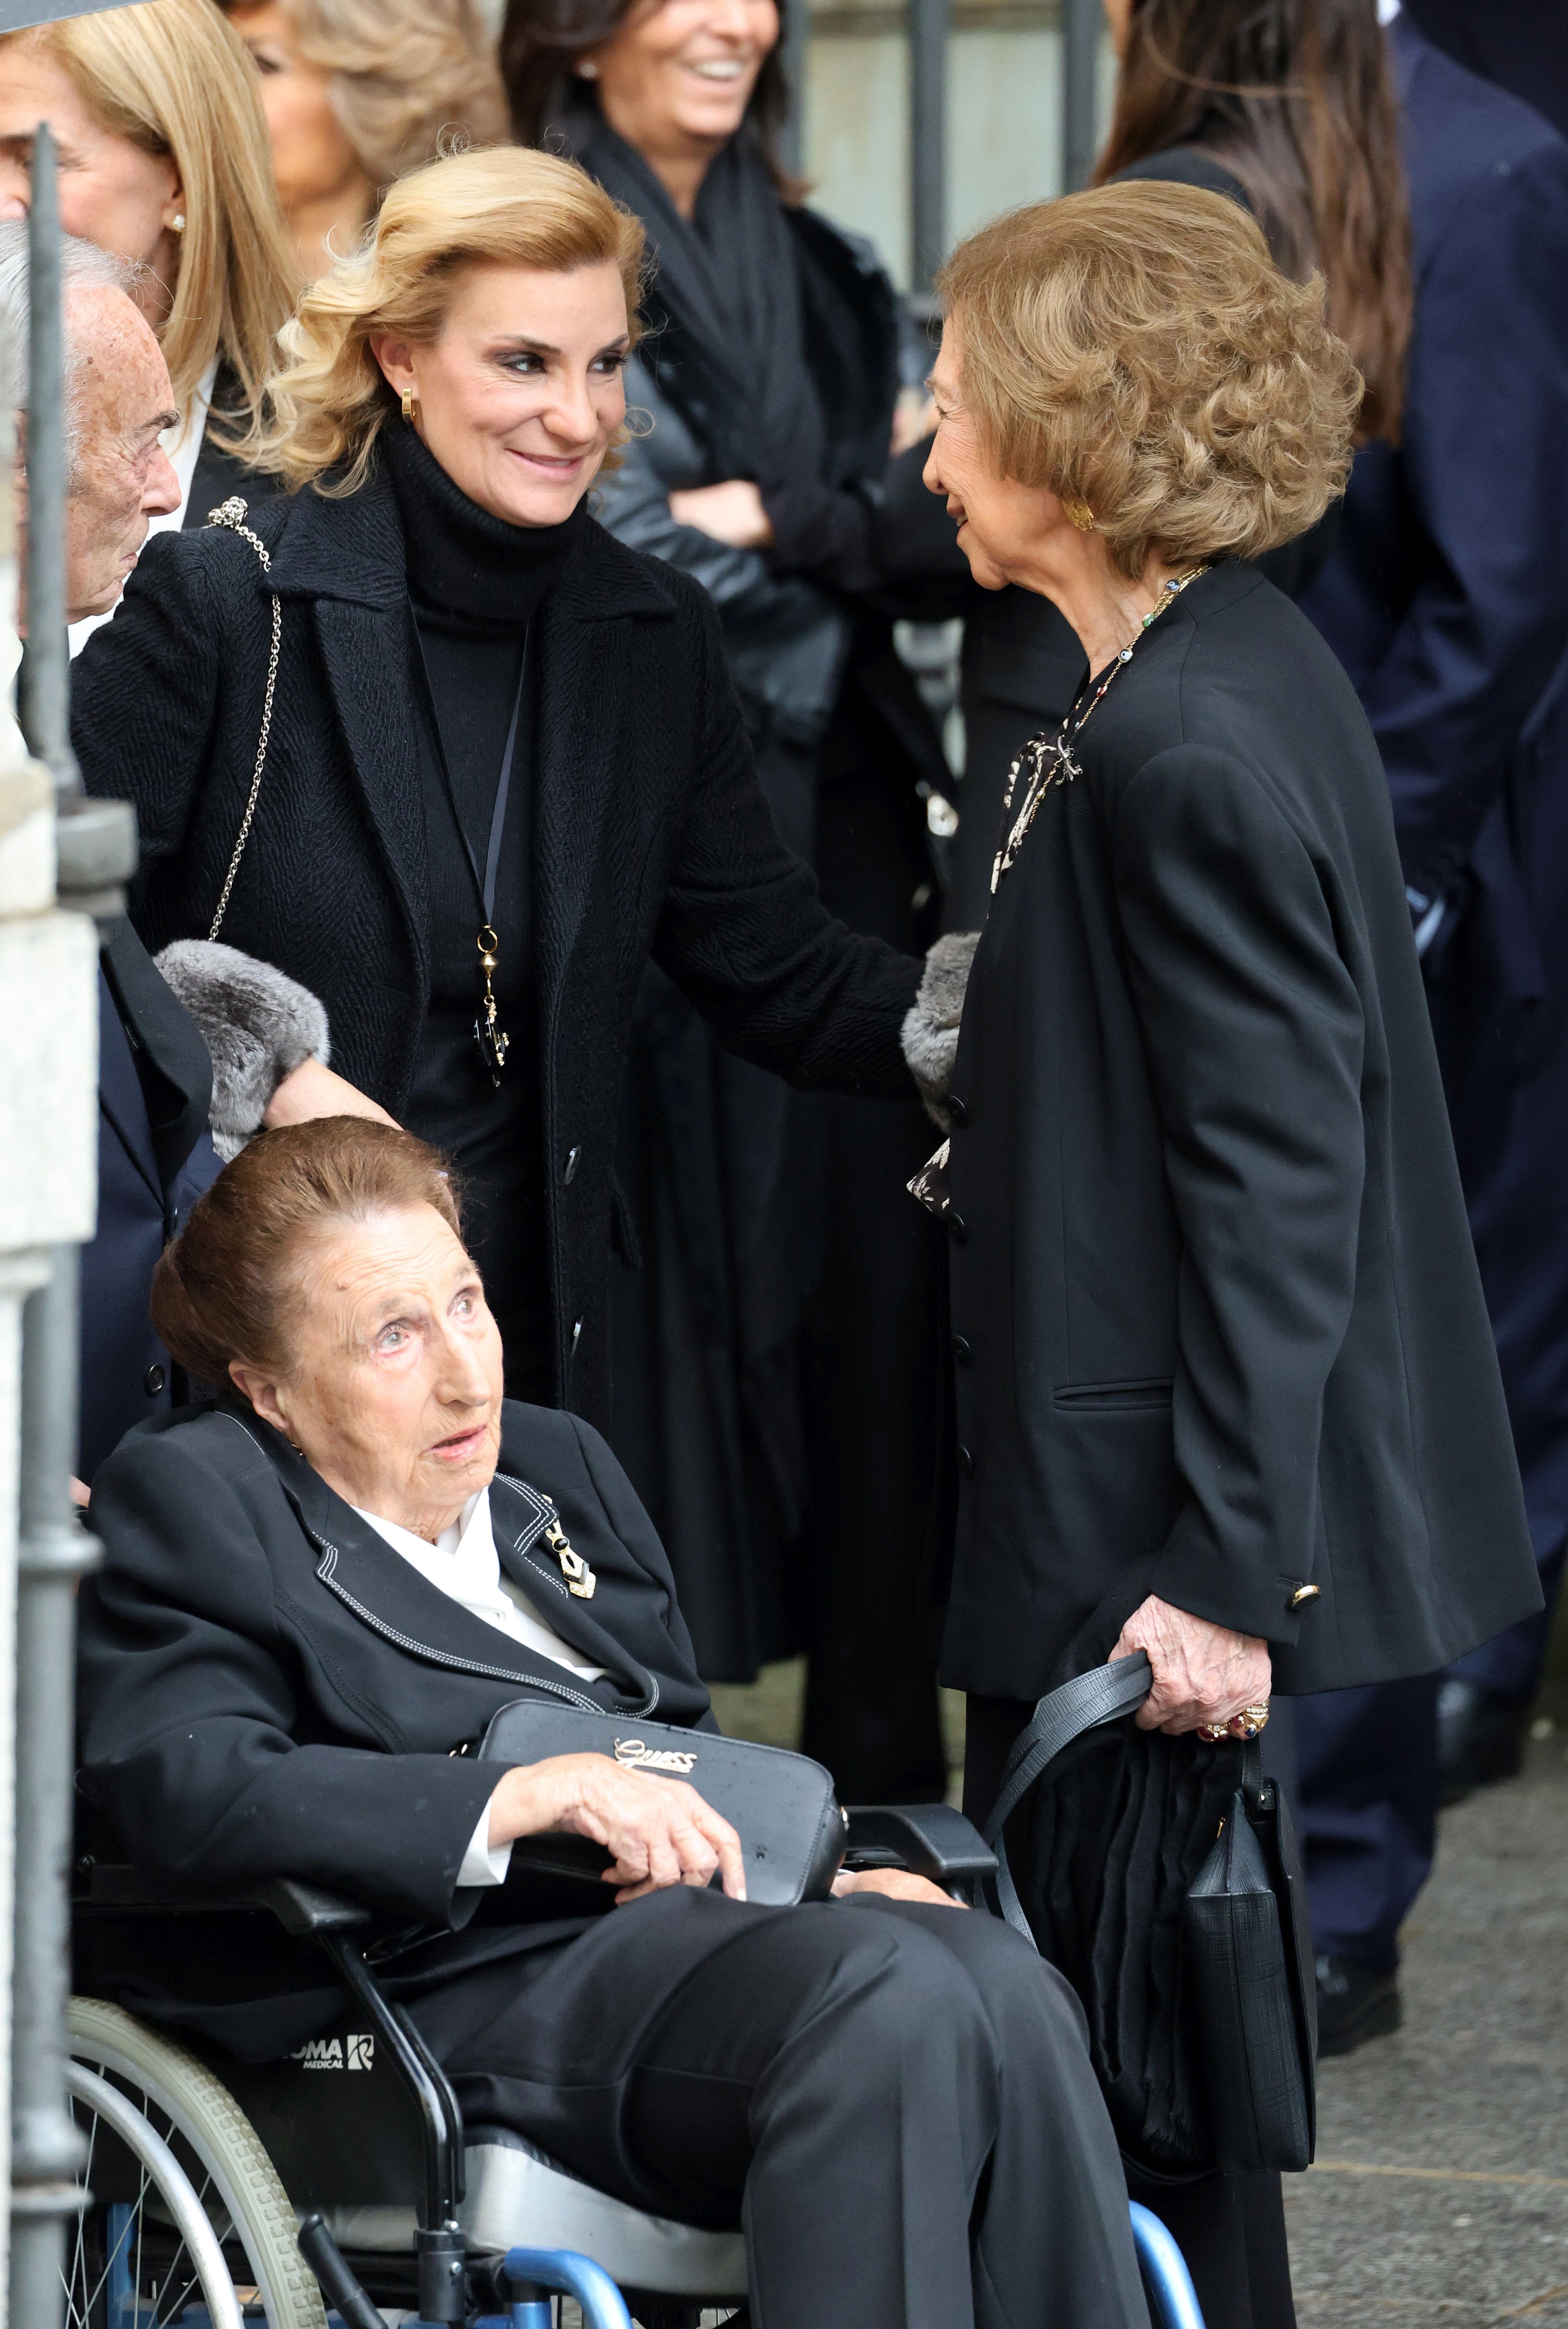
[320,1588]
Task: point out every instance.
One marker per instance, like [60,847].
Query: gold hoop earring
[409,407]
[1081,515]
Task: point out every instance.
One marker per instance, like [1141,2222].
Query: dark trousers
[1230,2228]
[894,2101]
[1366,1780]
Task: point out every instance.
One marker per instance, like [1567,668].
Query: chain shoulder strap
[232,513]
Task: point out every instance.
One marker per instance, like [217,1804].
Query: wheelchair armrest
[929,1840]
[304,1909]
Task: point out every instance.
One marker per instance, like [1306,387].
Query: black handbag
[1159,1875]
[781,1805]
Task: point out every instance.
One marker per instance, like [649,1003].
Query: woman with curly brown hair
[357,91]
[1226,1391]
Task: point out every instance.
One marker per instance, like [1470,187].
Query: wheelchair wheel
[129,2265]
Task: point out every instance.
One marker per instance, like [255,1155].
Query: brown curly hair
[1135,349]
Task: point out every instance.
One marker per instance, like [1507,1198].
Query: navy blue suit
[1446,599]
[155,1157]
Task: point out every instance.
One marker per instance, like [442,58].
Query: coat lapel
[347,557]
[365,1576]
[518,1516]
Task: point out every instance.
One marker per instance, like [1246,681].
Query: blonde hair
[510,207]
[1135,349]
[172,76]
[402,73]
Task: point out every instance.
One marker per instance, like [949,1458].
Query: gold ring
[1251,1721]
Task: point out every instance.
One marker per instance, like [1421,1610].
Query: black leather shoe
[1354,2004]
[1480,1739]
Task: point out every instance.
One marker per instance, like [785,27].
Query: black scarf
[728,340]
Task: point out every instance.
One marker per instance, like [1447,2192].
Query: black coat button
[153,1381]
[958,1112]
[958,1228]
[966,1464]
[963,1350]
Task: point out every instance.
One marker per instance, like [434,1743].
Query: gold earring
[178,221]
[409,407]
[1081,515]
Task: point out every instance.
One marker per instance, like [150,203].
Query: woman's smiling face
[682,71]
[393,1388]
[519,397]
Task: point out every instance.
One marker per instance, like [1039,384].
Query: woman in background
[774,1388]
[1287,109]
[163,161]
[356,92]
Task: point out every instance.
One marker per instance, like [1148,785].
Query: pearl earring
[588,69]
[178,221]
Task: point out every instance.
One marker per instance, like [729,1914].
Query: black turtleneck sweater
[474,585]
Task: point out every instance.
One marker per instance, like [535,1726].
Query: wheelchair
[340,2188]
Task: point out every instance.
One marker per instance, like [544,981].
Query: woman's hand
[1202,1673]
[310,1090]
[660,1831]
[896,1882]
[732,512]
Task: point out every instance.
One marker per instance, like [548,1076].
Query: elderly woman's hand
[731,514]
[660,1831]
[896,1883]
[1202,1673]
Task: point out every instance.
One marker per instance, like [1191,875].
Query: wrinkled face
[682,71]
[111,192]
[394,1391]
[521,394]
[122,477]
[1001,523]
[312,159]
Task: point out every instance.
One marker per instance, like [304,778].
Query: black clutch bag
[781,1805]
[1160,1876]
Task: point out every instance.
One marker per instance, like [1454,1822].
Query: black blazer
[268,1689]
[1220,1327]
[651,832]
[155,1157]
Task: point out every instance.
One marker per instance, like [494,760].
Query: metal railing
[97,850]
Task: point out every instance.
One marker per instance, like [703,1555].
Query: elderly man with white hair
[207,1043]
[118,404]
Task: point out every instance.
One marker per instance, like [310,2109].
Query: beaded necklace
[1049,758]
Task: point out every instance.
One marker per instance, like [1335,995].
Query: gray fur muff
[929,1034]
[258,1024]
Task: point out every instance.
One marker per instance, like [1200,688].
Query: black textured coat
[651,832]
[1221,1328]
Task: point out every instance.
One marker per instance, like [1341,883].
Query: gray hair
[83,267]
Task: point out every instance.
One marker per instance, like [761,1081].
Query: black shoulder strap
[1085,1703]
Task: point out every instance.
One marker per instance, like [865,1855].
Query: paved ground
[1440,2195]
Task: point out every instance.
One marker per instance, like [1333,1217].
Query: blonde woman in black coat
[1226,1391]
[450,611]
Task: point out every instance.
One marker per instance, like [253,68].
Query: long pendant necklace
[1048,759]
[490,1038]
